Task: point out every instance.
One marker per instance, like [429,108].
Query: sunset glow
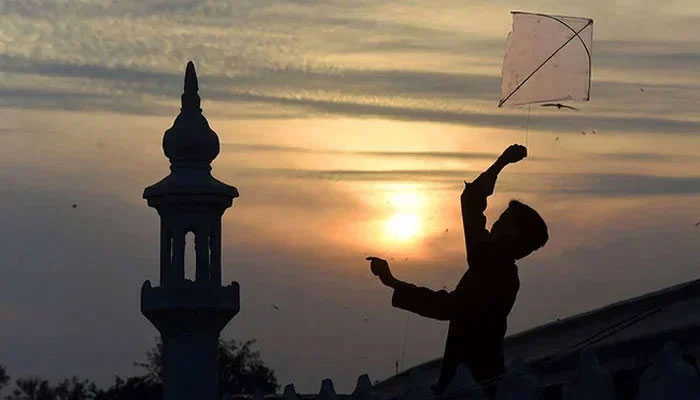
[406,200]
[407,206]
[403,226]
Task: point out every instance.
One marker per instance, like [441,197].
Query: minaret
[190,314]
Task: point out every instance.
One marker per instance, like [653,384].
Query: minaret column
[190,364]
[215,251]
[178,264]
[166,252]
[201,247]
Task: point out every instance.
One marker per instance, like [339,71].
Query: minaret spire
[190,141]
[190,98]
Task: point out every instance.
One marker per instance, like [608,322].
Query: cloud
[314,107]
[67,100]
[579,183]
[446,155]
[554,121]
[629,184]
[394,94]
[650,157]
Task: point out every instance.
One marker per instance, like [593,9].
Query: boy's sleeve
[473,201]
[441,305]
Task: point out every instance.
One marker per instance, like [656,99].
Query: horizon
[348,129]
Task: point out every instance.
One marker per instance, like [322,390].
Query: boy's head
[520,229]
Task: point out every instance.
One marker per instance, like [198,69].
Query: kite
[548,59]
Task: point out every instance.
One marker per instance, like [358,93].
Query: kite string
[527,125]
[405,339]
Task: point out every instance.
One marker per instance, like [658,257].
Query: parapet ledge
[190,296]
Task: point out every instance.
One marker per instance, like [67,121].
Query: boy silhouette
[478,307]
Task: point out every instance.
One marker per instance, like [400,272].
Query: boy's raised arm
[474,196]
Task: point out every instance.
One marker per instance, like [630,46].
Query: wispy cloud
[643,157]
[246,147]
[393,94]
[577,183]
[276,53]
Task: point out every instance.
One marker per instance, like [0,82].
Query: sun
[403,226]
[405,207]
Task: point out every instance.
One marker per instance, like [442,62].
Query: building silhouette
[628,335]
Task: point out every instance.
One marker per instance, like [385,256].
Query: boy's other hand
[514,153]
[380,267]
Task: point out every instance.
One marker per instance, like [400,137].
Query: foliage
[75,389]
[240,372]
[32,389]
[4,378]
[154,365]
[40,389]
[133,388]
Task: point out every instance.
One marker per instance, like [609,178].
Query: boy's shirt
[478,307]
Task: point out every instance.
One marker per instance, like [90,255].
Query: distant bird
[447,230]
[405,259]
[275,307]
[559,106]
[75,206]
[583,133]
[392,258]
[697,223]
[642,89]
[593,131]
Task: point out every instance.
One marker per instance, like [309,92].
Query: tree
[133,388]
[32,389]
[154,366]
[240,372]
[240,369]
[75,389]
[4,378]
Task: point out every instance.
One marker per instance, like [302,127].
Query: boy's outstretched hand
[513,153]
[380,267]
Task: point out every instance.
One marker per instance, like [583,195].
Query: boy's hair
[528,220]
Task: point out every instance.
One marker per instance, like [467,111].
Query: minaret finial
[190,98]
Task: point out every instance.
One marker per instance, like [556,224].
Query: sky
[348,128]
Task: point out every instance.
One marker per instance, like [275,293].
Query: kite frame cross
[576,35]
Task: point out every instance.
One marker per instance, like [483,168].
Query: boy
[478,307]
